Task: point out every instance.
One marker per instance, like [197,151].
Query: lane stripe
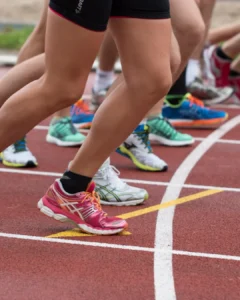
[199,139]
[117,246]
[77,233]
[178,201]
[163,270]
[136,181]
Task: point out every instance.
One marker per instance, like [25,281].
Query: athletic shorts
[94,14]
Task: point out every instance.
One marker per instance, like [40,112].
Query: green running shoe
[163,132]
[62,133]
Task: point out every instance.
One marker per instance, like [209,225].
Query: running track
[180,251]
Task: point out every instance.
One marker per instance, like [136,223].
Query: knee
[151,85]
[62,93]
[190,34]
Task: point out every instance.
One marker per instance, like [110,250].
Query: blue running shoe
[81,116]
[191,113]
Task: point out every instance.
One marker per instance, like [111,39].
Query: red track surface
[43,270]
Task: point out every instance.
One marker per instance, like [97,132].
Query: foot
[137,148]
[81,116]
[62,133]
[98,98]
[220,68]
[114,191]
[83,209]
[18,155]
[165,134]
[209,94]
[191,113]
[235,83]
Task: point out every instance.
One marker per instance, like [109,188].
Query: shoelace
[20,145]
[167,126]
[65,126]
[81,107]
[94,198]
[194,100]
[143,136]
[111,173]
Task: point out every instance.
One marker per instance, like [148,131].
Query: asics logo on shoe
[128,146]
[83,212]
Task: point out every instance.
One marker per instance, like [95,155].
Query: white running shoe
[137,148]
[114,191]
[18,156]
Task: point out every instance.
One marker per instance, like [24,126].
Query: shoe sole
[52,140]
[29,164]
[86,126]
[123,151]
[124,203]
[219,99]
[47,211]
[197,124]
[167,142]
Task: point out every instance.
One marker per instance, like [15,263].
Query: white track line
[117,246]
[136,181]
[199,139]
[163,270]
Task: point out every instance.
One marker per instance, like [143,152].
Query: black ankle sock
[234,73]
[221,54]
[74,183]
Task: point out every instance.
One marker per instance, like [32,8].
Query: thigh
[142,34]
[75,30]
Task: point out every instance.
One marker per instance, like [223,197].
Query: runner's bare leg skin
[137,94]
[61,85]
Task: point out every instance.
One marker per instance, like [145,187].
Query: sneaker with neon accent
[191,113]
[81,116]
[114,191]
[98,98]
[220,68]
[209,94]
[137,148]
[18,155]
[83,209]
[164,133]
[62,133]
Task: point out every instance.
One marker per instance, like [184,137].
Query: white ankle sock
[193,71]
[103,80]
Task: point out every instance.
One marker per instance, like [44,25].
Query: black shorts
[94,14]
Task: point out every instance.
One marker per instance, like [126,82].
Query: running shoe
[97,98]
[18,155]
[235,83]
[192,113]
[220,68]
[62,133]
[209,94]
[83,209]
[137,148]
[81,116]
[114,191]
[164,133]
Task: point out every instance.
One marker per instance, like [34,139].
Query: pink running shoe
[83,209]
[235,83]
[220,69]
